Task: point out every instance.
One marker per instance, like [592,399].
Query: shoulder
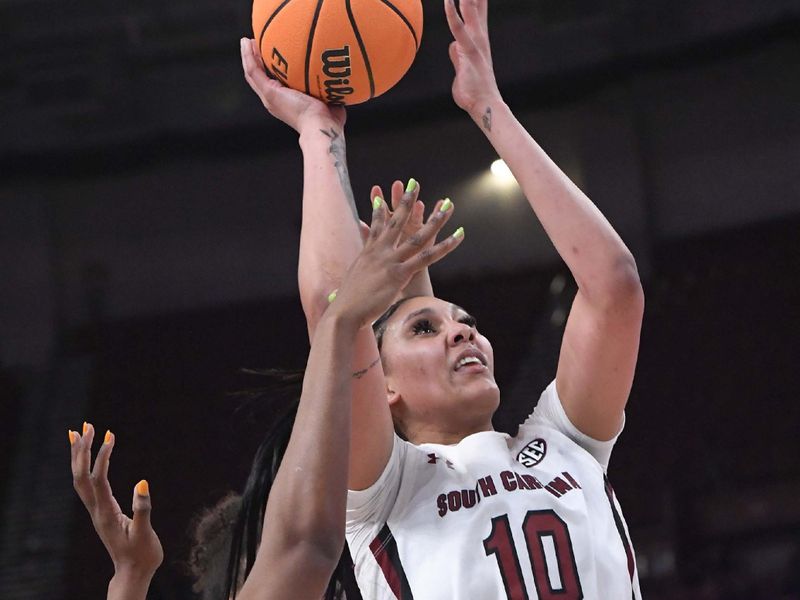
[549,414]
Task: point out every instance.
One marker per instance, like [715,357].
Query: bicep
[597,361]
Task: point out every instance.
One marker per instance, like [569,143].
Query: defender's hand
[388,261]
[132,544]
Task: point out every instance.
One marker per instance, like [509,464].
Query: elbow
[620,289]
[625,280]
[313,309]
[315,303]
[319,528]
[324,544]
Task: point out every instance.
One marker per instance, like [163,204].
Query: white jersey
[495,517]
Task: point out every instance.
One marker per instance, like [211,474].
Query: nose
[460,333]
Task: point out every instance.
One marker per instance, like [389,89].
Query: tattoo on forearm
[338,151]
[487,118]
[362,372]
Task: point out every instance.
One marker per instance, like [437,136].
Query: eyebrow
[417,313]
[455,311]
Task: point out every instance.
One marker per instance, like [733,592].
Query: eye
[468,320]
[423,326]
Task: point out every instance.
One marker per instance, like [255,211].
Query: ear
[392,396]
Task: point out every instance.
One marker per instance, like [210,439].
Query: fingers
[440,215]
[417,215]
[472,32]
[471,12]
[435,253]
[483,12]
[142,506]
[379,216]
[363,229]
[81,459]
[457,26]
[452,50]
[376,192]
[104,497]
[403,207]
[255,51]
[398,189]
[254,71]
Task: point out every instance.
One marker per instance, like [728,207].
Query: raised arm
[330,240]
[304,521]
[601,340]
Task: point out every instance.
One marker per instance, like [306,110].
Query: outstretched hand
[471,54]
[294,108]
[391,258]
[132,544]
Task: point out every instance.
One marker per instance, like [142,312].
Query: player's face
[437,364]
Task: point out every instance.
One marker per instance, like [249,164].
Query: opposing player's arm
[601,341]
[303,531]
[305,515]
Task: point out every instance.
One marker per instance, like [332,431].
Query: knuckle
[416,240]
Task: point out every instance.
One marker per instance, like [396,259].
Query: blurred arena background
[149,225]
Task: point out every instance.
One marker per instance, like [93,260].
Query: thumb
[141,507]
[363,229]
[452,50]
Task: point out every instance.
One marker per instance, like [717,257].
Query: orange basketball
[341,51]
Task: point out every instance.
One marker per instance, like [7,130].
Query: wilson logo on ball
[336,65]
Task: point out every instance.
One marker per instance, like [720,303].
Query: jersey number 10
[538,525]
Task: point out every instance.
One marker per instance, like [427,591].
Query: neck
[431,434]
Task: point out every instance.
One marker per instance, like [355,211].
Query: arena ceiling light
[502,175]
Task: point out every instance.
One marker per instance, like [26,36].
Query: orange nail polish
[85,427]
[71,436]
[143,488]
[107,438]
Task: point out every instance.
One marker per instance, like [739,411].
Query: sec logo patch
[532,454]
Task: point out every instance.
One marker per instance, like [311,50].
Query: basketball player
[458,510]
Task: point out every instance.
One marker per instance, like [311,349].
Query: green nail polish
[376,202]
[332,296]
[412,185]
[446,205]
[459,233]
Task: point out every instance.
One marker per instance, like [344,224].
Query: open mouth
[472,360]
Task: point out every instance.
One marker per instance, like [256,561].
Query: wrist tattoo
[487,118]
[338,151]
[362,372]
